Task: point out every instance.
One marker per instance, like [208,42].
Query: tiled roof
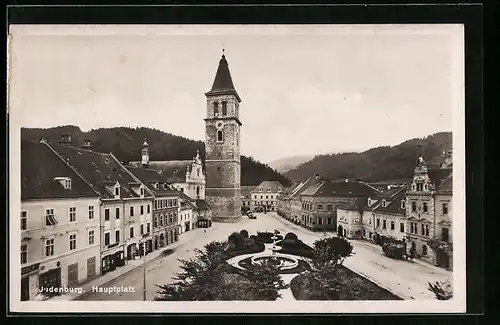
[266,185]
[202,205]
[358,205]
[173,171]
[446,186]
[149,177]
[186,201]
[393,202]
[438,175]
[39,167]
[100,169]
[342,188]
[223,81]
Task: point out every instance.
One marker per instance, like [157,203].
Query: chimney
[65,140]
[87,145]
[317,176]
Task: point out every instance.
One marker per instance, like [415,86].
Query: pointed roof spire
[223,83]
[145,144]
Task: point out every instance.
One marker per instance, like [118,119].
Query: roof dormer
[384,203]
[64,181]
[117,190]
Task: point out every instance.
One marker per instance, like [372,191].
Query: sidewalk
[129,266]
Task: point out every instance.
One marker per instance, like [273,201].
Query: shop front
[112,259]
[50,280]
[29,281]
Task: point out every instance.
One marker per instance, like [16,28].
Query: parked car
[251,215]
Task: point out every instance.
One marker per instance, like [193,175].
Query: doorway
[73,274]
[442,259]
[91,272]
[25,288]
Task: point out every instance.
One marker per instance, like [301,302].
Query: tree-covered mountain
[126,144]
[285,164]
[377,164]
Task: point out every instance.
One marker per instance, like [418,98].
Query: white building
[60,239]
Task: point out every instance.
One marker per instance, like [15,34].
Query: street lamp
[143,241]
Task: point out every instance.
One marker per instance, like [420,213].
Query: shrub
[236,241]
[244,233]
[394,250]
[291,235]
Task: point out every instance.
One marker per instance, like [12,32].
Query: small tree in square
[267,280]
[328,255]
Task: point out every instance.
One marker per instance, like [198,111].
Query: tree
[201,276]
[236,240]
[267,280]
[328,255]
[443,290]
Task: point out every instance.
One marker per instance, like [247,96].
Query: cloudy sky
[304,89]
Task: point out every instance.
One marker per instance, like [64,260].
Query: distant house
[350,218]
[187,217]
[265,196]
[390,216]
[60,223]
[246,197]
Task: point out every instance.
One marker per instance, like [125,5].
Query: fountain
[283,263]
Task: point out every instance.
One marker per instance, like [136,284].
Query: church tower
[222,146]
[145,154]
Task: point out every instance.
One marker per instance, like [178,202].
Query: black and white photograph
[237,168]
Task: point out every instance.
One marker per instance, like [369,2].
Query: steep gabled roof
[343,188]
[438,175]
[359,204]
[102,170]
[39,168]
[393,202]
[446,186]
[173,171]
[149,177]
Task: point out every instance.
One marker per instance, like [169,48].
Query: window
[91,237]
[384,203]
[425,187]
[320,206]
[413,206]
[131,231]
[24,220]
[267,197]
[148,228]
[261,197]
[49,247]
[24,254]
[425,207]
[401,227]
[393,225]
[219,136]
[224,108]
[216,108]
[106,238]
[329,207]
[72,214]
[67,184]
[445,235]
[117,236]
[50,219]
[72,242]
[142,191]
[131,211]
[378,222]
[117,213]
[142,229]
[149,208]
[384,224]
[419,187]
[320,221]
[91,212]
[142,210]
[444,208]
[106,214]
[403,204]
[117,191]
[413,187]
[155,222]
[427,230]
[424,250]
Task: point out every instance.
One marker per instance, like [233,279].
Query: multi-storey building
[421,205]
[60,240]
[321,199]
[350,218]
[187,215]
[126,204]
[265,196]
[165,228]
[246,197]
[443,236]
[390,216]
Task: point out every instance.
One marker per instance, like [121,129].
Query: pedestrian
[205,231]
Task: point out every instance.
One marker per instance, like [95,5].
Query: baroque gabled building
[222,146]
[60,224]
[422,207]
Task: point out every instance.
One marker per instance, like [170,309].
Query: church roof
[223,83]
[172,171]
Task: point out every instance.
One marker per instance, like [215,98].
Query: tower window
[219,136]
[216,108]
[224,108]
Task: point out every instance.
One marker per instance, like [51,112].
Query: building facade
[126,209]
[187,217]
[265,196]
[222,146]
[390,216]
[60,241]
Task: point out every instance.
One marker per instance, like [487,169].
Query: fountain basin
[285,263]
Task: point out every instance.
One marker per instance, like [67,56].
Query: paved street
[408,280]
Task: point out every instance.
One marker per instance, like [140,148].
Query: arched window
[197,191]
[224,108]
[216,108]
[219,136]
[424,250]
[198,171]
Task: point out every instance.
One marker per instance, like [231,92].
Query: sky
[305,90]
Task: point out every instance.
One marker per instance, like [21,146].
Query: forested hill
[126,144]
[377,164]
